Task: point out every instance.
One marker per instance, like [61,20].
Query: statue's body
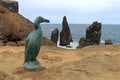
[33,44]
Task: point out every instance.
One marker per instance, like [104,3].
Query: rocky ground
[89,63]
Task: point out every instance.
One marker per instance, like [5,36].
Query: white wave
[102,42]
[73,45]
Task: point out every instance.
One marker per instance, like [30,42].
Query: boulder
[54,35]
[83,42]
[65,34]
[108,42]
[93,33]
[10,4]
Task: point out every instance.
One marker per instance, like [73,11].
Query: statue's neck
[37,26]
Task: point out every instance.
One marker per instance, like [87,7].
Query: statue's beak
[47,21]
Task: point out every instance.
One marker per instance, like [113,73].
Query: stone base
[32,65]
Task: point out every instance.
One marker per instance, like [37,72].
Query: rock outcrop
[65,34]
[54,35]
[14,29]
[108,42]
[12,5]
[93,33]
[83,42]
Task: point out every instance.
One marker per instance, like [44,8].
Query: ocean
[109,31]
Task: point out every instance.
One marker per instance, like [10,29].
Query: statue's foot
[32,65]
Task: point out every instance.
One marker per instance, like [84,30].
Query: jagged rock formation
[93,33]
[83,42]
[12,5]
[108,42]
[54,35]
[65,34]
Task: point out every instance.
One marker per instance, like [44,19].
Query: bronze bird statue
[33,44]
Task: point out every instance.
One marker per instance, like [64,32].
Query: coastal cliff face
[14,28]
[12,5]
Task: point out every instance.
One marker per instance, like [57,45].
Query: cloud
[82,5]
[74,9]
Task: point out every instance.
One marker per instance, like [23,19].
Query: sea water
[109,31]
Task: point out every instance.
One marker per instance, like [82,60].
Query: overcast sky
[76,11]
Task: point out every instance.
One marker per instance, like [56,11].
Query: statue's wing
[27,41]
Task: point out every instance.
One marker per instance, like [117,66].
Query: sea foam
[73,45]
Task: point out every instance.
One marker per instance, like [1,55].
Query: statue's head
[40,19]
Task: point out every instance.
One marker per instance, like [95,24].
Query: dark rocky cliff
[12,5]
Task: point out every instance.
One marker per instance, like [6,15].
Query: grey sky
[77,11]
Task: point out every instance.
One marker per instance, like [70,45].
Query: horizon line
[84,23]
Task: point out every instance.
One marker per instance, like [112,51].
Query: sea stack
[54,35]
[93,33]
[65,34]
